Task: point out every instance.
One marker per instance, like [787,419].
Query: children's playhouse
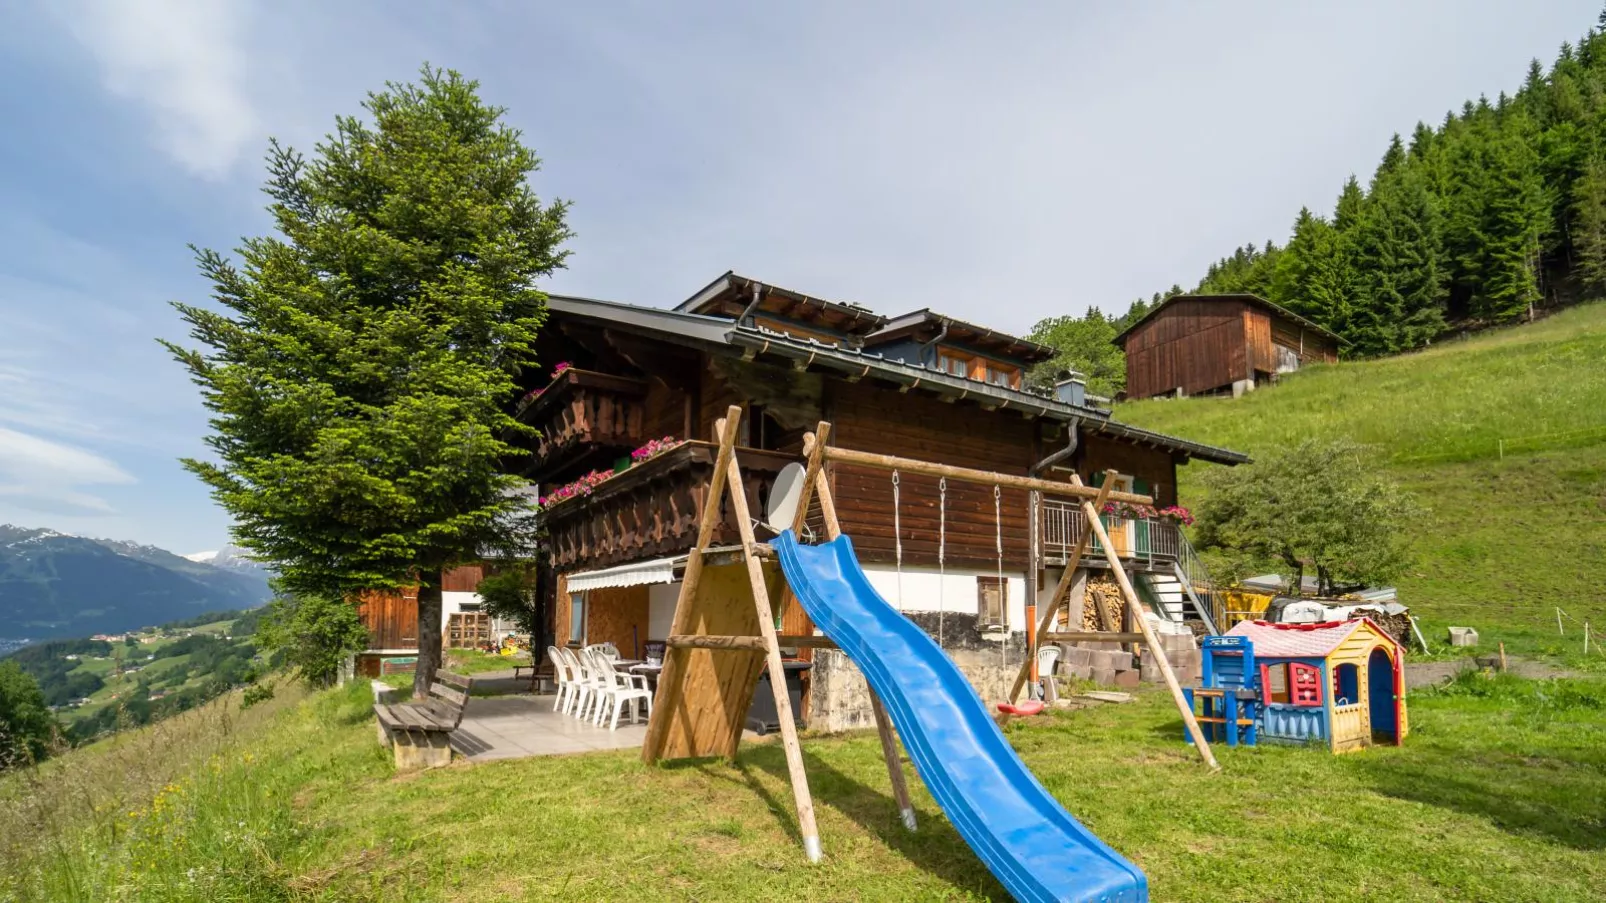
[1341,683]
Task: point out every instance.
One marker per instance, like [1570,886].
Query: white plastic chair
[607,649]
[580,698]
[597,683]
[560,670]
[621,690]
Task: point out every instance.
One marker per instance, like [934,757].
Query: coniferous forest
[1489,217]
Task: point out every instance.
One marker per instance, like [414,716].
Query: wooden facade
[391,618]
[1205,344]
[690,373]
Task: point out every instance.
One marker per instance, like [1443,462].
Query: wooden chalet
[620,505]
[1218,344]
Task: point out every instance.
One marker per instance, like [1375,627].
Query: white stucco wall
[452,603]
[928,589]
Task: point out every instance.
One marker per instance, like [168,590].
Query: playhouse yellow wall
[1351,725]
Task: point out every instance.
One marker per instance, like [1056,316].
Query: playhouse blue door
[1380,690]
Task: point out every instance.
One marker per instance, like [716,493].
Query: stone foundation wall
[839,698]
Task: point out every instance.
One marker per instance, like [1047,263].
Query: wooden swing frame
[722,637]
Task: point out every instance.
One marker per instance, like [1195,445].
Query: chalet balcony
[586,419]
[1149,543]
[652,509]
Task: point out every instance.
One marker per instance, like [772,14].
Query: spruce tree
[1397,257]
[1313,276]
[1515,218]
[1589,227]
[363,375]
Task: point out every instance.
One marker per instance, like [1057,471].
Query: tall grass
[199,807]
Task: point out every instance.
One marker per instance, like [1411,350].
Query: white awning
[639,573]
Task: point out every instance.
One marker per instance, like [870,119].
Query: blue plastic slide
[1033,846]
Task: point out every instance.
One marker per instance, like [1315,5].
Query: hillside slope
[1502,438]
[56,585]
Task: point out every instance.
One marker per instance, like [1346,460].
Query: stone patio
[514,727]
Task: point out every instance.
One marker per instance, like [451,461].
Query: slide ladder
[1023,835]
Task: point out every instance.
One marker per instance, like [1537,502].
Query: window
[1291,683]
[954,364]
[1346,685]
[1001,376]
[992,602]
[577,618]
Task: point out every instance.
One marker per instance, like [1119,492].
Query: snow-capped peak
[203,557]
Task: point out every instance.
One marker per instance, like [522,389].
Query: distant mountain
[58,585]
[230,558]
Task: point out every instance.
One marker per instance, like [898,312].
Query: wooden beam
[1094,636]
[699,641]
[971,475]
[889,752]
[813,448]
[1058,600]
[1154,647]
[766,622]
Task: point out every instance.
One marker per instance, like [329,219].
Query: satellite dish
[784,496]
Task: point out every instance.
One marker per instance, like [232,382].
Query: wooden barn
[1218,344]
[625,404]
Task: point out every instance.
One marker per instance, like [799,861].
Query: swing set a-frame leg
[816,483]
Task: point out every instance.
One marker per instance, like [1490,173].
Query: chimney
[1071,390]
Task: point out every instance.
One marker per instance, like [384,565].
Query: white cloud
[185,61]
[48,476]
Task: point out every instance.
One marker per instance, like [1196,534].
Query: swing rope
[1003,604]
[897,537]
[942,548]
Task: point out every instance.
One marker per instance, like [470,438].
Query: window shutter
[1306,684]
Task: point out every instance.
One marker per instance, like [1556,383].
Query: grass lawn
[1508,536]
[1499,794]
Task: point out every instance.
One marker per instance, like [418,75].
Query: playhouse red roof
[1300,640]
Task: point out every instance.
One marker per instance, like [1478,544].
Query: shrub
[313,634]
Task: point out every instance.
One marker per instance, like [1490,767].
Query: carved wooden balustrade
[584,414]
[651,510]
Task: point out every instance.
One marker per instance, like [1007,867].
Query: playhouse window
[1346,685]
[1291,683]
[1274,678]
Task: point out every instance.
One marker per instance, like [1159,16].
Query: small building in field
[1218,344]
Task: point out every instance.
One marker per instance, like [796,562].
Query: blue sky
[1001,164]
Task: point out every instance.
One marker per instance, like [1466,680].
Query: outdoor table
[651,672]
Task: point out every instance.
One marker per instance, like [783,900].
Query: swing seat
[1028,707]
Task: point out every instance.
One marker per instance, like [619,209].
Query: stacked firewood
[1106,592]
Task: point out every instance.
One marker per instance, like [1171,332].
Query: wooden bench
[420,733]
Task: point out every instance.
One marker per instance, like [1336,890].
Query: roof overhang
[725,337]
[1240,297]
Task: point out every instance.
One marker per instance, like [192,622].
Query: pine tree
[363,379]
[1313,276]
[1399,297]
[1515,219]
[1348,210]
[1589,227]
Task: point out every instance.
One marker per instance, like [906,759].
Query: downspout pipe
[927,346]
[747,312]
[1033,542]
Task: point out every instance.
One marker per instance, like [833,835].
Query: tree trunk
[429,633]
[1297,566]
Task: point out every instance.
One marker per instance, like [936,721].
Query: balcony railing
[1150,542]
[584,417]
[652,509]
